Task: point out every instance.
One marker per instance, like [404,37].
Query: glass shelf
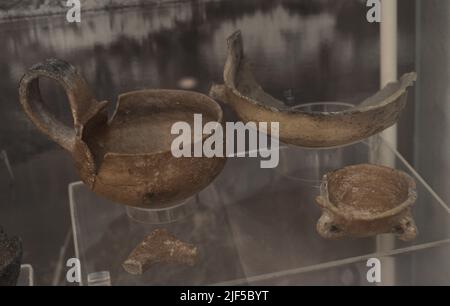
[257,226]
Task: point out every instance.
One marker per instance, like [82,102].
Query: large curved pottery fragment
[298,127]
[128,158]
[367,200]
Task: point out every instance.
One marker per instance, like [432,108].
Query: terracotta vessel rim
[404,82]
[211,103]
[410,200]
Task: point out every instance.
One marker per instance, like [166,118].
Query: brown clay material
[298,127]
[367,200]
[128,158]
[160,247]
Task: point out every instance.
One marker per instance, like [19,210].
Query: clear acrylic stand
[99,279]
[163,215]
[257,226]
[26,276]
[104,240]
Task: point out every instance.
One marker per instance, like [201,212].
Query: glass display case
[250,225]
[257,227]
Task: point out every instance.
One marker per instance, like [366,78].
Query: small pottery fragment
[127,158]
[10,259]
[367,200]
[160,247]
[299,127]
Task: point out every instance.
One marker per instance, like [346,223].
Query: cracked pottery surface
[128,157]
[367,200]
[307,129]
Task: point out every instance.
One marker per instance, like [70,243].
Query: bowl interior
[143,121]
[367,188]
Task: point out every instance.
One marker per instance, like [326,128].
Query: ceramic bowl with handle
[126,158]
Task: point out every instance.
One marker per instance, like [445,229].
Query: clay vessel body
[367,200]
[128,157]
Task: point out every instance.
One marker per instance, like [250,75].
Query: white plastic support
[388,55]
[388,73]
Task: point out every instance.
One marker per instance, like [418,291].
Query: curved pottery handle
[218,92]
[328,229]
[407,229]
[83,105]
